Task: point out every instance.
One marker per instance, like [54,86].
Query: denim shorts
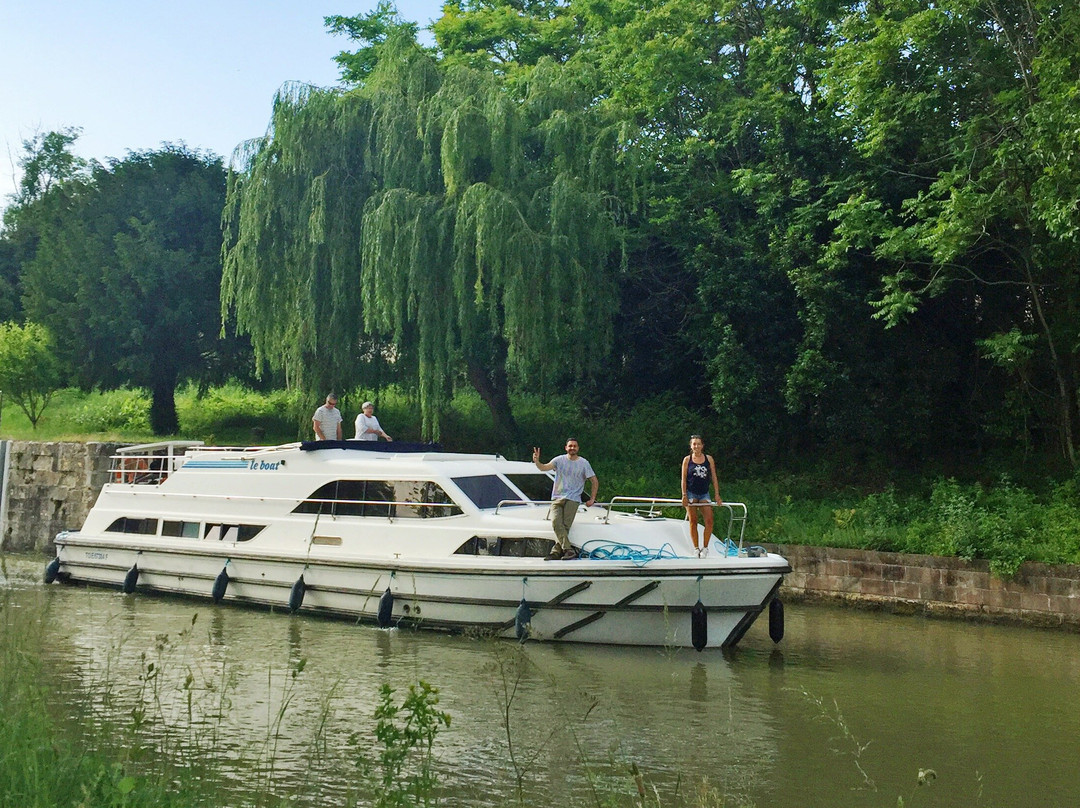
[702,499]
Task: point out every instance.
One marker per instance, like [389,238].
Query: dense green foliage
[29,371]
[126,274]
[429,220]
[47,162]
[846,228]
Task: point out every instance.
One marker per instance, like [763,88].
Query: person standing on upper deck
[697,470]
[571,473]
[367,425]
[327,420]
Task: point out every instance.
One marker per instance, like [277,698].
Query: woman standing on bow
[698,469]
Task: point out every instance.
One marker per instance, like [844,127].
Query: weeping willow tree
[430,216]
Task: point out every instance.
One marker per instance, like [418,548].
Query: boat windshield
[536,485]
[488,490]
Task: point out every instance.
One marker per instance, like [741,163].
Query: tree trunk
[163,419]
[1066,391]
[490,383]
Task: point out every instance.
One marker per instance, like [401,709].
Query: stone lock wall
[46,488]
[1039,594]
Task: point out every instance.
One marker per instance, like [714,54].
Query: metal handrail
[651,501]
[532,502]
[187,495]
[140,467]
[736,511]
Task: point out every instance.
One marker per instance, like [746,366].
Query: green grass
[56,757]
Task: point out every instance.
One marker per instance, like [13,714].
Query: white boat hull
[607,602]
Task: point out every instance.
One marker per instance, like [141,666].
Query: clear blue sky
[136,74]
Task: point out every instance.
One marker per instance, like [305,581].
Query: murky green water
[845,712]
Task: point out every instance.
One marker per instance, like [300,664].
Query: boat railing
[335,504]
[143,469]
[331,505]
[653,508]
[251,450]
[522,502]
[531,503]
[152,463]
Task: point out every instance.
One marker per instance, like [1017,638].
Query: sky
[134,75]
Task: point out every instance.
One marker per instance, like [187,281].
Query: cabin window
[248,532]
[349,498]
[486,490]
[232,533]
[431,500]
[126,524]
[537,487]
[186,530]
[514,547]
[367,498]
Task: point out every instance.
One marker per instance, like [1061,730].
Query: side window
[233,533]
[517,547]
[415,499]
[349,498]
[320,501]
[186,530]
[248,532]
[126,524]
[432,501]
[379,491]
[486,490]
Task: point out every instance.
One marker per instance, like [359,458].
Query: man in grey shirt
[571,473]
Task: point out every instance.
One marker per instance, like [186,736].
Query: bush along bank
[1004,525]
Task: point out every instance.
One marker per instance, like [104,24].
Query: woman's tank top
[697,478]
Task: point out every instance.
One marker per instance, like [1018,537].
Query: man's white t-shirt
[328,419]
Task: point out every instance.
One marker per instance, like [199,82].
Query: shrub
[235,410]
[115,411]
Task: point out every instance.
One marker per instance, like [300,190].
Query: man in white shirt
[367,425]
[327,420]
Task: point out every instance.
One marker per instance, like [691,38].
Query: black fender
[296,594]
[776,620]
[221,583]
[699,626]
[131,580]
[52,570]
[386,609]
[523,621]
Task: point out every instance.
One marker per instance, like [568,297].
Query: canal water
[846,711]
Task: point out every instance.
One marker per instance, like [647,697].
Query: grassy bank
[52,754]
[994,518]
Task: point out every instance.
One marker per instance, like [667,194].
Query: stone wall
[46,488]
[1040,594]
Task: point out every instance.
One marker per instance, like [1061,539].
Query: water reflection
[850,699]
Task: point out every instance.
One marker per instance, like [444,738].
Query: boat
[407,535]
